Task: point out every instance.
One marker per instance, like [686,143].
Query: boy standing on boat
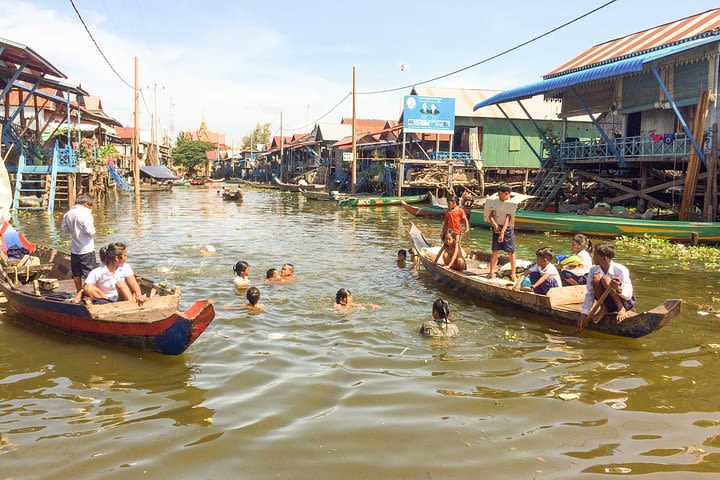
[78,221]
[503,236]
[609,284]
[454,218]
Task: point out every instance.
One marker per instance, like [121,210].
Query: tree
[191,154]
[260,134]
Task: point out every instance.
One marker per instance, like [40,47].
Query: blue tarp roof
[158,173]
[607,70]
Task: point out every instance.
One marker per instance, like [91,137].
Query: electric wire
[493,57]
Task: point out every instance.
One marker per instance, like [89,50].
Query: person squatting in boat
[543,275]
[608,283]
[109,282]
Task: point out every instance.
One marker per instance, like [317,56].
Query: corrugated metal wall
[503,147]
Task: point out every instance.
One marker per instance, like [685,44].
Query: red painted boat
[425,210]
[157,326]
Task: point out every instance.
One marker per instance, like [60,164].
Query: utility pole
[136,136]
[283,177]
[353,178]
[157,130]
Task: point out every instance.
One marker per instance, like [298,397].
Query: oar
[598,304]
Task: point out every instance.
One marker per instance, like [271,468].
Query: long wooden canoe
[600,226]
[323,195]
[157,326]
[265,185]
[294,187]
[381,201]
[424,210]
[561,304]
[236,195]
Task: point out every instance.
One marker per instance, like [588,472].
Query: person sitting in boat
[287,271]
[455,217]
[576,267]
[452,253]
[610,282]
[440,325]
[272,276]
[125,273]
[503,237]
[253,297]
[542,274]
[242,270]
[100,284]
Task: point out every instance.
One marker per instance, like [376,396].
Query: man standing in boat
[79,222]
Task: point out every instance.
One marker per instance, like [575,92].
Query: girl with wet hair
[343,299]
[440,325]
[242,270]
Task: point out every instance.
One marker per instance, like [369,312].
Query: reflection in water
[302,391]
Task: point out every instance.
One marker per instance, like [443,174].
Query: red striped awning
[673,32]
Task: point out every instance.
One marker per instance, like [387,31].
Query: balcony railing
[667,145]
[441,155]
[67,157]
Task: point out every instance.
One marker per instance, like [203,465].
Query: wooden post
[693,166]
[353,175]
[72,189]
[711,199]
[283,176]
[37,119]
[400,177]
[642,203]
[136,135]
[525,181]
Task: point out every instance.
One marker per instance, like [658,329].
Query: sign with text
[347,157]
[428,114]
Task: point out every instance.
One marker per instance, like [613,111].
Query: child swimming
[253,296]
[440,325]
[242,270]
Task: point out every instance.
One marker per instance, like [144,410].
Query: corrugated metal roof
[17,52]
[466,99]
[332,132]
[668,34]
[628,65]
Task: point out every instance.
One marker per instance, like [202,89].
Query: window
[514,143]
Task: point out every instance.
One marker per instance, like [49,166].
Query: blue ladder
[27,179]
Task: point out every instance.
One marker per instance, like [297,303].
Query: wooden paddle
[596,306]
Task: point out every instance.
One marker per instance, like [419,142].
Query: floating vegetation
[660,248]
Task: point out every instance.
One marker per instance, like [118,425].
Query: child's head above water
[241,269]
[272,273]
[253,295]
[287,270]
[440,309]
[343,297]
[402,255]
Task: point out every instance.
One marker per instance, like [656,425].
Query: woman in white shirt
[101,284]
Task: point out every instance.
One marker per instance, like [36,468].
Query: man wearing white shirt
[607,275]
[78,221]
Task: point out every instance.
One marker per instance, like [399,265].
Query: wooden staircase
[35,185]
[549,181]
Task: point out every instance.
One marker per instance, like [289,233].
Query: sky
[239,63]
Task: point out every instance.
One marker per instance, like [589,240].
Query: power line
[320,118]
[405,87]
[98,46]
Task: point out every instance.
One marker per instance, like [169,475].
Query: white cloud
[232,80]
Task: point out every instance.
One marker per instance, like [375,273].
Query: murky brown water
[303,392]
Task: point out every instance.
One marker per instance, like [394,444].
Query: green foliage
[553,139]
[191,154]
[260,134]
[681,254]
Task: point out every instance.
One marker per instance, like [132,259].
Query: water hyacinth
[658,247]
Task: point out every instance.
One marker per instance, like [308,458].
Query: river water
[301,391]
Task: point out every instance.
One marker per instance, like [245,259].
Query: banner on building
[428,114]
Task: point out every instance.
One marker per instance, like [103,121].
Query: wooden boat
[294,187]
[601,226]
[424,210]
[157,326]
[199,181]
[561,304]
[181,182]
[381,201]
[236,195]
[268,186]
[323,196]
[156,187]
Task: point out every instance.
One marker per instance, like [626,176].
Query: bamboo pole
[136,135]
[353,177]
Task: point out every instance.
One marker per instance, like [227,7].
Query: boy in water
[253,296]
[287,271]
[502,220]
[272,276]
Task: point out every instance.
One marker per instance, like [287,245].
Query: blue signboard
[428,114]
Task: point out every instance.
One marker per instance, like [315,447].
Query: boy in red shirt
[454,218]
